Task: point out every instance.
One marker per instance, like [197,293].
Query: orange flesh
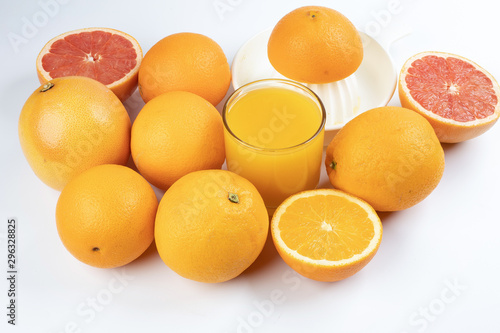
[332,228]
[451,88]
[100,55]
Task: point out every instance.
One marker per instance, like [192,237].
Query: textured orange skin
[203,236]
[110,208]
[322,272]
[123,88]
[314,44]
[446,132]
[389,156]
[176,133]
[188,62]
[75,125]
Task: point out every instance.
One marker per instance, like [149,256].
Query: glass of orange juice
[274,131]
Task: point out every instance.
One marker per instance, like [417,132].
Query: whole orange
[211,225]
[188,62]
[388,156]
[174,134]
[315,44]
[71,124]
[105,216]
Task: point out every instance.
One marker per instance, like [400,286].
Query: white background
[440,257]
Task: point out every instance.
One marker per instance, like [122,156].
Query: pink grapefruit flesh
[99,55]
[451,88]
[106,55]
[459,98]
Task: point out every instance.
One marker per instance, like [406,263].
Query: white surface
[450,238]
[343,99]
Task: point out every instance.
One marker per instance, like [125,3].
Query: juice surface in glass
[274,138]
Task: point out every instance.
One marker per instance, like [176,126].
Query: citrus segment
[326,234]
[106,55]
[459,98]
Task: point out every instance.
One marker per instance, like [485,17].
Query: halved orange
[326,234]
[107,55]
[458,97]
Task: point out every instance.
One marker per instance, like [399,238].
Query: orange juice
[274,137]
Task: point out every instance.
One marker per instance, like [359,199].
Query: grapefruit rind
[448,130]
[123,87]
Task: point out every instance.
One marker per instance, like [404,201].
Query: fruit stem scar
[313,14]
[233,197]
[333,165]
[46,86]
[95,249]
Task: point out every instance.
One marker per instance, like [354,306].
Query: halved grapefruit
[459,98]
[107,55]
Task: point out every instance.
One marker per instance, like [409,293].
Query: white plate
[372,85]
